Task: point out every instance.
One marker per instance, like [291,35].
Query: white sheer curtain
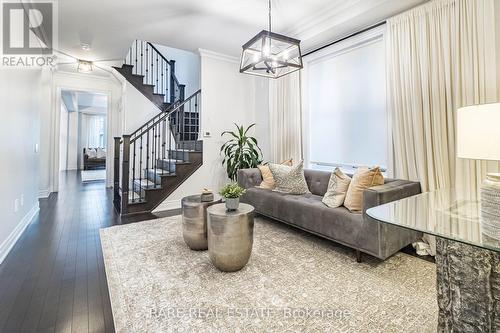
[94,131]
[441,56]
[285,119]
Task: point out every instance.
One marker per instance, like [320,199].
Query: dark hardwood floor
[54,280]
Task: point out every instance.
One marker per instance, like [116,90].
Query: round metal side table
[230,236]
[194,221]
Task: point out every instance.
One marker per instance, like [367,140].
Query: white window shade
[347,115]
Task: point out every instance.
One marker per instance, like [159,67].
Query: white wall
[227,97]
[137,109]
[63,138]
[19,108]
[72,141]
[187,67]
[497,36]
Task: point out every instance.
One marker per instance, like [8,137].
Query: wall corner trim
[11,240]
[218,56]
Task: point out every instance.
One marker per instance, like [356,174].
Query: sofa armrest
[248,178]
[395,190]
[389,238]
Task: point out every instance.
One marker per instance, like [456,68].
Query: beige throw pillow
[267,175]
[290,180]
[337,189]
[363,178]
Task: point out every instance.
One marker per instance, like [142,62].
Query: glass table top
[446,213]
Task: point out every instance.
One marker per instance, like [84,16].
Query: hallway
[54,280]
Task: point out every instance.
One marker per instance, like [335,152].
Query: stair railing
[156,70]
[145,156]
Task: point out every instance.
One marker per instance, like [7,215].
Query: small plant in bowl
[232,193]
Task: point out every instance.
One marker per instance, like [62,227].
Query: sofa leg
[358,256]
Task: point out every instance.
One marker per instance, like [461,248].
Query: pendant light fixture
[270,54]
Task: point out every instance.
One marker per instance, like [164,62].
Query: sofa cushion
[317,181]
[100,153]
[337,189]
[289,180]
[363,178]
[267,176]
[307,212]
[91,153]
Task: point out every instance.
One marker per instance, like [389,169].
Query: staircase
[151,162]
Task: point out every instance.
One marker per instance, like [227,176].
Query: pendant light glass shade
[271,55]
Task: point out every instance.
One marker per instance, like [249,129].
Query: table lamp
[478,138]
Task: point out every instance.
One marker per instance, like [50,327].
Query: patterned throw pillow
[363,178]
[267,176]
[337,189]
[289,180]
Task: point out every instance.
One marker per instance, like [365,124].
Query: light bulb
[266,50]
[286,55]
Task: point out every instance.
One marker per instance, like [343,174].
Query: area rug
[93,175]
[293,282]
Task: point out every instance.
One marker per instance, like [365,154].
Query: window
[96,131]
[345,105]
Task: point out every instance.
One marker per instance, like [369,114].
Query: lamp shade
[478,132]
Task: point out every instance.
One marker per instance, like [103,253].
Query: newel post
[125,173]
[172,81]
[116,172]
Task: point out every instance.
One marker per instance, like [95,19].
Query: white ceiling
[110,26]
[84,101]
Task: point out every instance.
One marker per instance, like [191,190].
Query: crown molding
[219,56]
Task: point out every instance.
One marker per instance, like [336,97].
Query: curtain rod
[345,37]
[363,30]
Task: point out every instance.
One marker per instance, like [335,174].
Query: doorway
[83,134]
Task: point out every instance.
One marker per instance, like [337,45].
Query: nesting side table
[194,221]
[230,236]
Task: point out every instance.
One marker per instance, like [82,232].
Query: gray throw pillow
[289,180]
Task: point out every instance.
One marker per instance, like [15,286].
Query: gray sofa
[307,212]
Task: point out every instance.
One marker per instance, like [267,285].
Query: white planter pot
[232,203]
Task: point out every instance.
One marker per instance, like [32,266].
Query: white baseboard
[168,205]
[9,243]
[42,194]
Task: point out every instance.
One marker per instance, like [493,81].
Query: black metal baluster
[136,56]
[133,173]
[164,135]
[140,167]
[152,67]
[147,154]
[147,64]
[198,128]
[170,154]
[157,67]
[153,148]
[157,149]
[162,86]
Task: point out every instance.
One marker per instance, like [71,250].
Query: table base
[468,287]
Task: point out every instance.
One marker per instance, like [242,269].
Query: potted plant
[240,152]
[232,193]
